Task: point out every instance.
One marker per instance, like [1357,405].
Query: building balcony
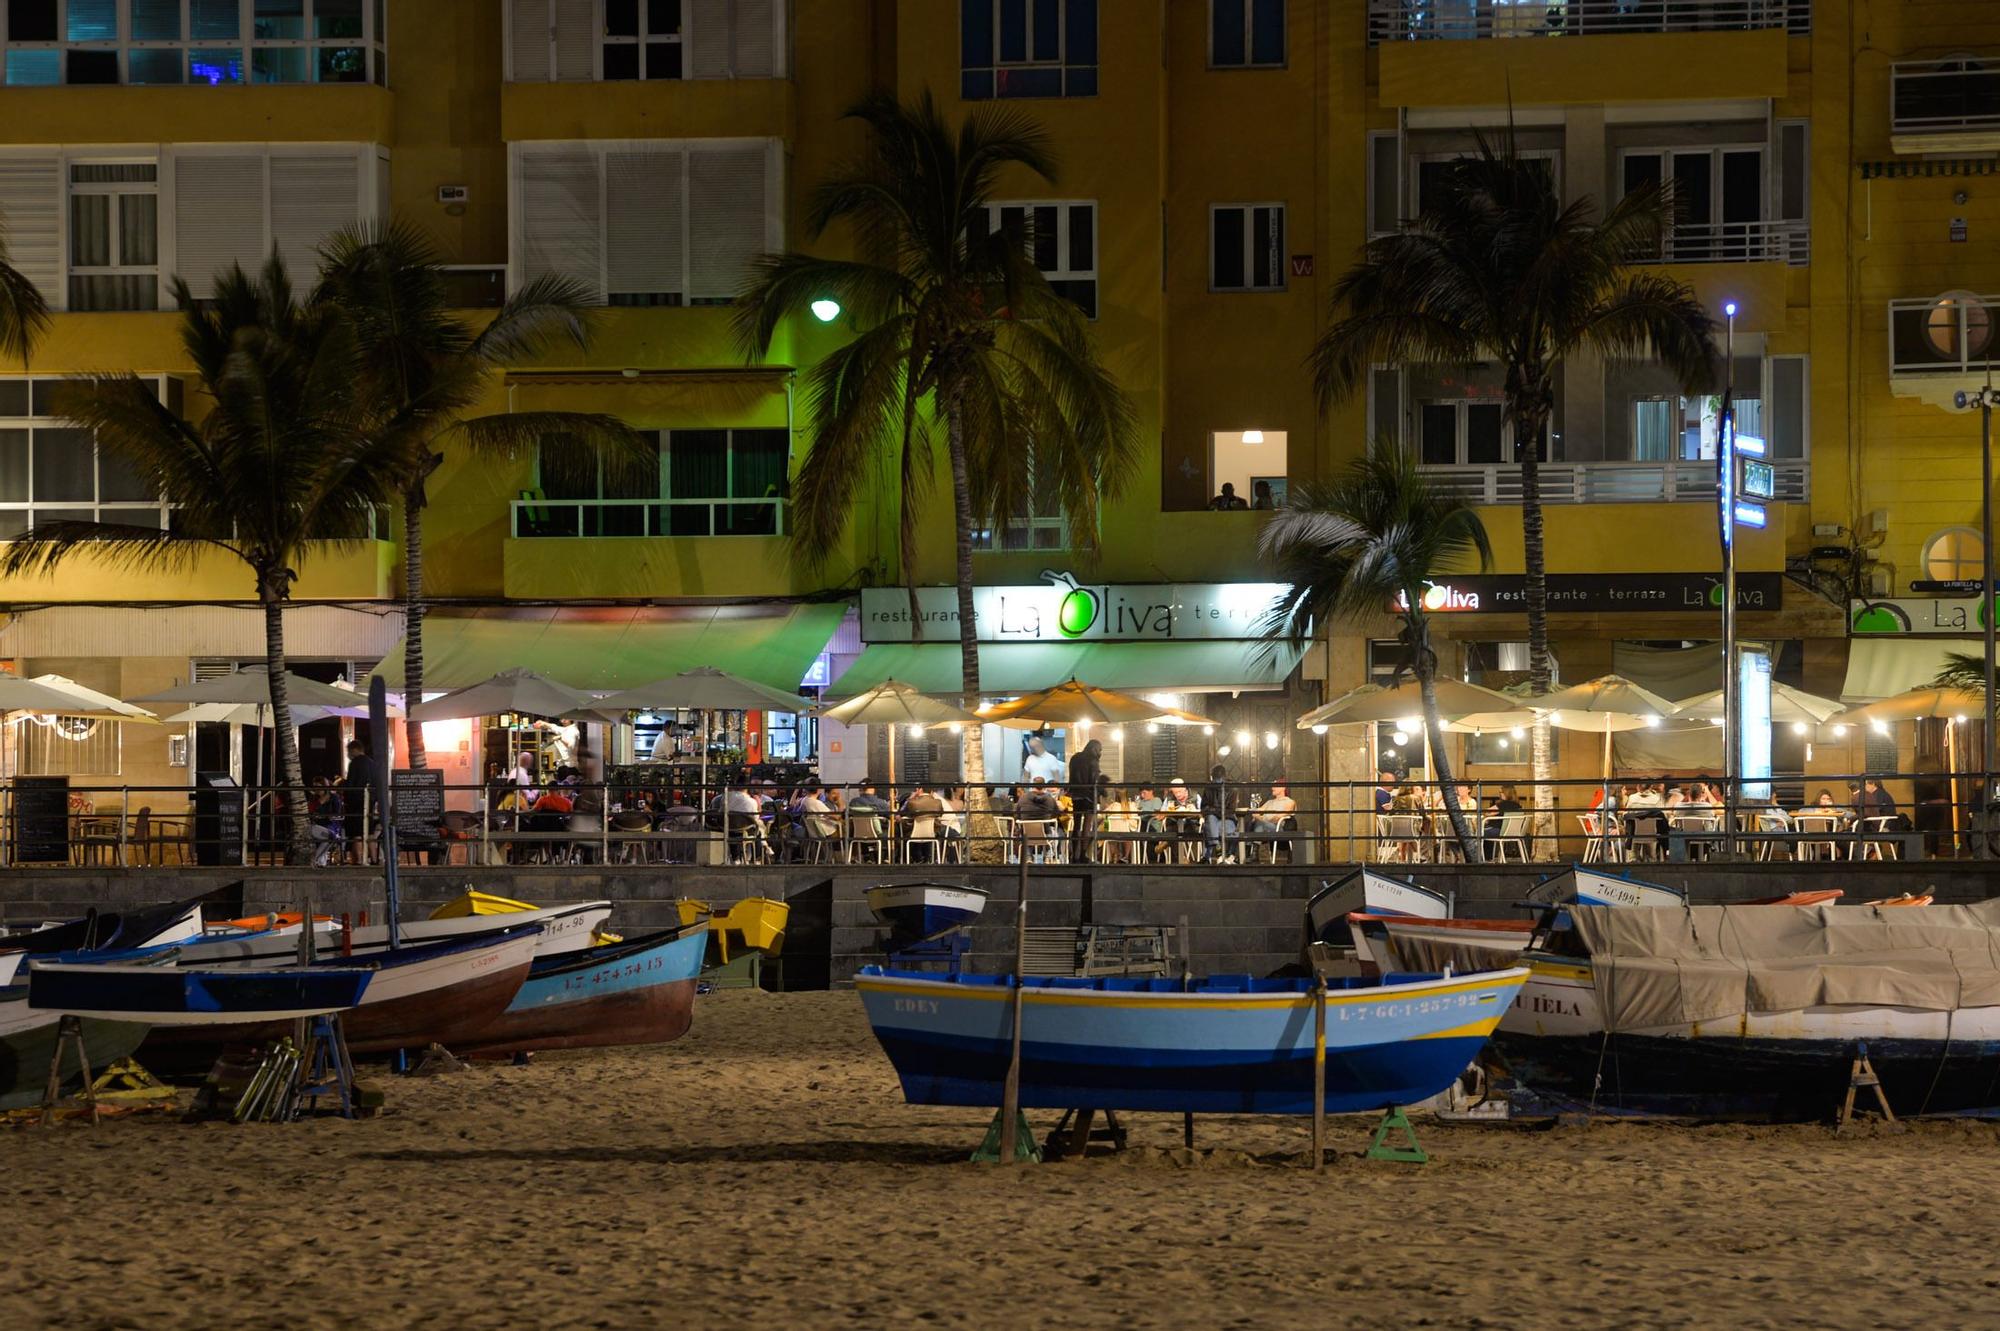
[244,113]
[649,109]
[1950,105]
[1941,344]
[1610,482]
[619,519]
[1450,52]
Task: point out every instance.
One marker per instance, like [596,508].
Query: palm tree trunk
[298,828]
[413,621]
[1469,845]
[1535,592]
[980,829]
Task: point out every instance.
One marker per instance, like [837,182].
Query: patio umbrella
[252,685]
[1604,706]
[705,689]
[242,714]
[1372,702]
[893,703]
[65,697]
[1074,702]
[1788,706]
[514,690]
[1926,701]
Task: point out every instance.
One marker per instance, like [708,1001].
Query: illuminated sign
[1506,593]
[1750,514]
[1064,609]
[1952,615]
[1760,480]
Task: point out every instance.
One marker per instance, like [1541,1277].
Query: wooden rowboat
[28,1041]
[170,995]
[640,991]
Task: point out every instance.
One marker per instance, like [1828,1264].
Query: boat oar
[1010,1094]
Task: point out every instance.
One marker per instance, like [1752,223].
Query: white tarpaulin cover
[1665,967]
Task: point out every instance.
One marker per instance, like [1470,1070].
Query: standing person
[360,778]
[1086,774]
[1039,764]
[1218,814]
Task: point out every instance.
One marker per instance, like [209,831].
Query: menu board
[41,820]
[416,797]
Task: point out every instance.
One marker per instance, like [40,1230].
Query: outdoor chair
[1773,820]
[1400,837]
[1814,825]
[923,832]
[1866,848]
[1041,838]
[1513,831]
[1697,824]
[634,826]
[1599,842]
[865,836]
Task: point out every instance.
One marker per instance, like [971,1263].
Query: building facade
[1221,162]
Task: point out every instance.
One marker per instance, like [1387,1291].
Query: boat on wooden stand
[639,991]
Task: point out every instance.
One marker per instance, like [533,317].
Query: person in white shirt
[1039,762]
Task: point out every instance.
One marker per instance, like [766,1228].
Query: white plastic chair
[1812,824]
[923,832]
[1401,836]
[1513,831]
[1867,849]
[1599,842]
[864,833]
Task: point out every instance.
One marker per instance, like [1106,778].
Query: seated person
[1275,813]
[868,801]
[1037,802]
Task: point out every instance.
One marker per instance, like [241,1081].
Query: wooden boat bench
[1103,949]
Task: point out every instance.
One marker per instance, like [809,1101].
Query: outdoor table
[1909,845]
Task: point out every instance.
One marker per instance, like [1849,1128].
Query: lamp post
[1725,484]
[1984,399]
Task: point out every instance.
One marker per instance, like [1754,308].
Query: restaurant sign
[1062,609]
[1885,617]
[1597,593]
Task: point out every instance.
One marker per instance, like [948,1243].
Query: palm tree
[1497,267]
[278,463]
[1962,671]
[425,369]
[1374,537]
[24,315]
[955,325]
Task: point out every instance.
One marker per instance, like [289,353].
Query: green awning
[1011,668]
[610,648]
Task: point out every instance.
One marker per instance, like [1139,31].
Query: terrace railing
[1610,482]
[1421,20]
[1957,95]
[1950,334]
[648,517]
[1734,242]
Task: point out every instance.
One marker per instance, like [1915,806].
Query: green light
[826,309]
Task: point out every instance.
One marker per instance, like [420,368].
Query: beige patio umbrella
[1372,702]
[58,696]
[1926,701]
[1789,706]
[1074,702]
[1604,706]
[893,703]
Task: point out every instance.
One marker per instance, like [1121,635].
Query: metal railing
[1733,242]
[1423,20]
[616,518]
[1131,824]
[1610,482]
[1958,95]
[1952,334]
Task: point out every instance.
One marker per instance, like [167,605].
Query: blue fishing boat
[922,911]
[175,996]
[1227,1044]
[28,1042]
[640,991]
[1579,886]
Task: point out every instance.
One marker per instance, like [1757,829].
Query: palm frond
[24,314]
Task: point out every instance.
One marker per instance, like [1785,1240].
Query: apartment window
[1246,247]
[577,41]
[194,41]
[730,482]
[1650,418]
[1060,236]
[51,471]
[1434,172]
[647,223]
[642,39]
[1027,48]
[114,236]
[1718,200]
[1243,33]
[1468,433]
[236,207]
[1038,523]
[1252,464]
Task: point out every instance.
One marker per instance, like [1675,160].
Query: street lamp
[1984,399]
[826,309]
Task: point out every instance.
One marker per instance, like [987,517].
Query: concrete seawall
[1239,920]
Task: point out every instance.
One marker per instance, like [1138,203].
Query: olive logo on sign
[1079,608]
[1880,617]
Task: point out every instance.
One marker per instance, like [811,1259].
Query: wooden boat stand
[1861,1076]
[947,950]
[1074,1134]
[68,1031]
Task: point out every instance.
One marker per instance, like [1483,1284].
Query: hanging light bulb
[958,727]
[1118,733]
[1270,739]
[1799,727]
[1399,738]
[1518,733]
[1244,739]
[1253,436]
[1208,730]
[1152,727]
[1223,751]
[1840,732]
[1410,723]
[1320,729]
[1715,721]
[916,731]
[1879,726]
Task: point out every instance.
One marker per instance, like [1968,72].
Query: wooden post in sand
[1319,1071]
[1010,1095]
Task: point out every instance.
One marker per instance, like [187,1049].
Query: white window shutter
[727,205]
[528,40]
[710,25]
[559,217]
[576,40]
[645,216]
[31,221]
[757,45]
[311,198]
[218,217]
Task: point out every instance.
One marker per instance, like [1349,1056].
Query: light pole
[1984,399]
[1725,481]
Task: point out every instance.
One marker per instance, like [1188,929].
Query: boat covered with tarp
[1759,1010]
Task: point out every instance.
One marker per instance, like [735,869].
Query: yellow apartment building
[1221,161]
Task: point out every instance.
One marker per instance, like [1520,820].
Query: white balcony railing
[618,518]
[1609,482]
[1958,95]
[1734,242]
[1949,334]
[1418,20]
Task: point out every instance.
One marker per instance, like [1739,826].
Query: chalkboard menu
[416,796]
[218,819]
[41,819]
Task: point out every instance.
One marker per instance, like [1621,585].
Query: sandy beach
[764,1170]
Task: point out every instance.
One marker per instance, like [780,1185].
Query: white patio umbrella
[252,685]
[1372,702]
[242,714]
[56,695]
[893,703]
[516,690]
[1605,706]
[1788,706]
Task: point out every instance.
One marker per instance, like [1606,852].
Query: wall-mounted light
[1223,752]
[1270,739]
[1253,436]
[916,731]
[826,309]
[1398,738]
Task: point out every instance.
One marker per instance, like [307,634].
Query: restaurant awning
[603,649]
[1886,666]
[1006,668]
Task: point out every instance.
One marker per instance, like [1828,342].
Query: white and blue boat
[1227,1044]
[178,996]
[923,911]
[1579,886]
[1365,890]
[638,991]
